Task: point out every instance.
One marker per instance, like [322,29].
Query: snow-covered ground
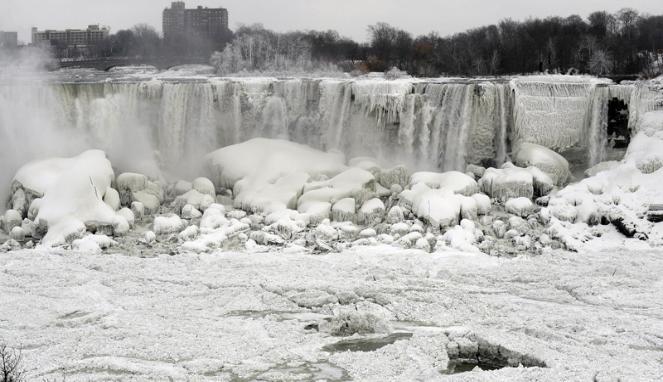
[595,315]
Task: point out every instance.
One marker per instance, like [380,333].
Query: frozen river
[595,315]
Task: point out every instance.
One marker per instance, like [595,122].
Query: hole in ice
[365,344]
[474,353]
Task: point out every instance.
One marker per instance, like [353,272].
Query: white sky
[349,17]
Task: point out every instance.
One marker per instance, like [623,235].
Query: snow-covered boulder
[398,175]
[11,219]
[128,215]
[182,187]
[548,161]
[112,198]
[93,244]
[645,150]
[353,183]
[166,224]
[371,212]
[507,183]
[440,208]
[519,206]
[139,188]
[454,181]
[190,212]
[269,174]
[344,210]
[73,190]
[17,233]
[194,198]
[483,203]
[395,215]
[204,186]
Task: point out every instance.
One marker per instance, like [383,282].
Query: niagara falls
[326,191]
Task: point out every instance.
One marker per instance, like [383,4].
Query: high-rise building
[182,23]
[8,39]
[71,42]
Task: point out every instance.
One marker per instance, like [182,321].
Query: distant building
[188,24]
[70,43]
[8,40]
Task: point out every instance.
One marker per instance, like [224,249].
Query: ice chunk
[138,188]
[73,190]
[166,224]
[269,174]
[506,183]
[204,186]
[483,203]
[548,161]
[440,208]
[112,198]
[344,210]
[453,180]
[371,212]
[519,206]
[11,219]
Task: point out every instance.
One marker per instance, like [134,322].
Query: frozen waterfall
[429,124]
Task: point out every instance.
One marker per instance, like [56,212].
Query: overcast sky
[349,17]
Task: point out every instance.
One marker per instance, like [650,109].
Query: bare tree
[10,365]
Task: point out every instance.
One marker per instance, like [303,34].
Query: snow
[440,208]
[506,183]
[269,174]
[548,161]
[73,191]
[519,206]
[168,224]
[141,318]
[453,180]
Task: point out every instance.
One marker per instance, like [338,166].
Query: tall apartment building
[71,41]
[8,39]
[182,23]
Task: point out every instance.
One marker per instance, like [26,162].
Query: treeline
[621,43]
[255,48]
[625,42]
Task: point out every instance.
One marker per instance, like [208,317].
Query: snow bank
[73,192]
[269,174]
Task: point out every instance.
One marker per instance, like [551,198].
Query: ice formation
[71,193]
[281,176]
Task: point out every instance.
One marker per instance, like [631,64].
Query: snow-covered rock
[73,191]
[440,208]
[204,186]
[543,158]
[11,219]
[344,210]
[483,203]
[182,187]
[190,212]
[454,181]
[166,224]
[507,183]
[112,198]
[269,174]
[371,212]
[128,215]
[519,206]
[139,188]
